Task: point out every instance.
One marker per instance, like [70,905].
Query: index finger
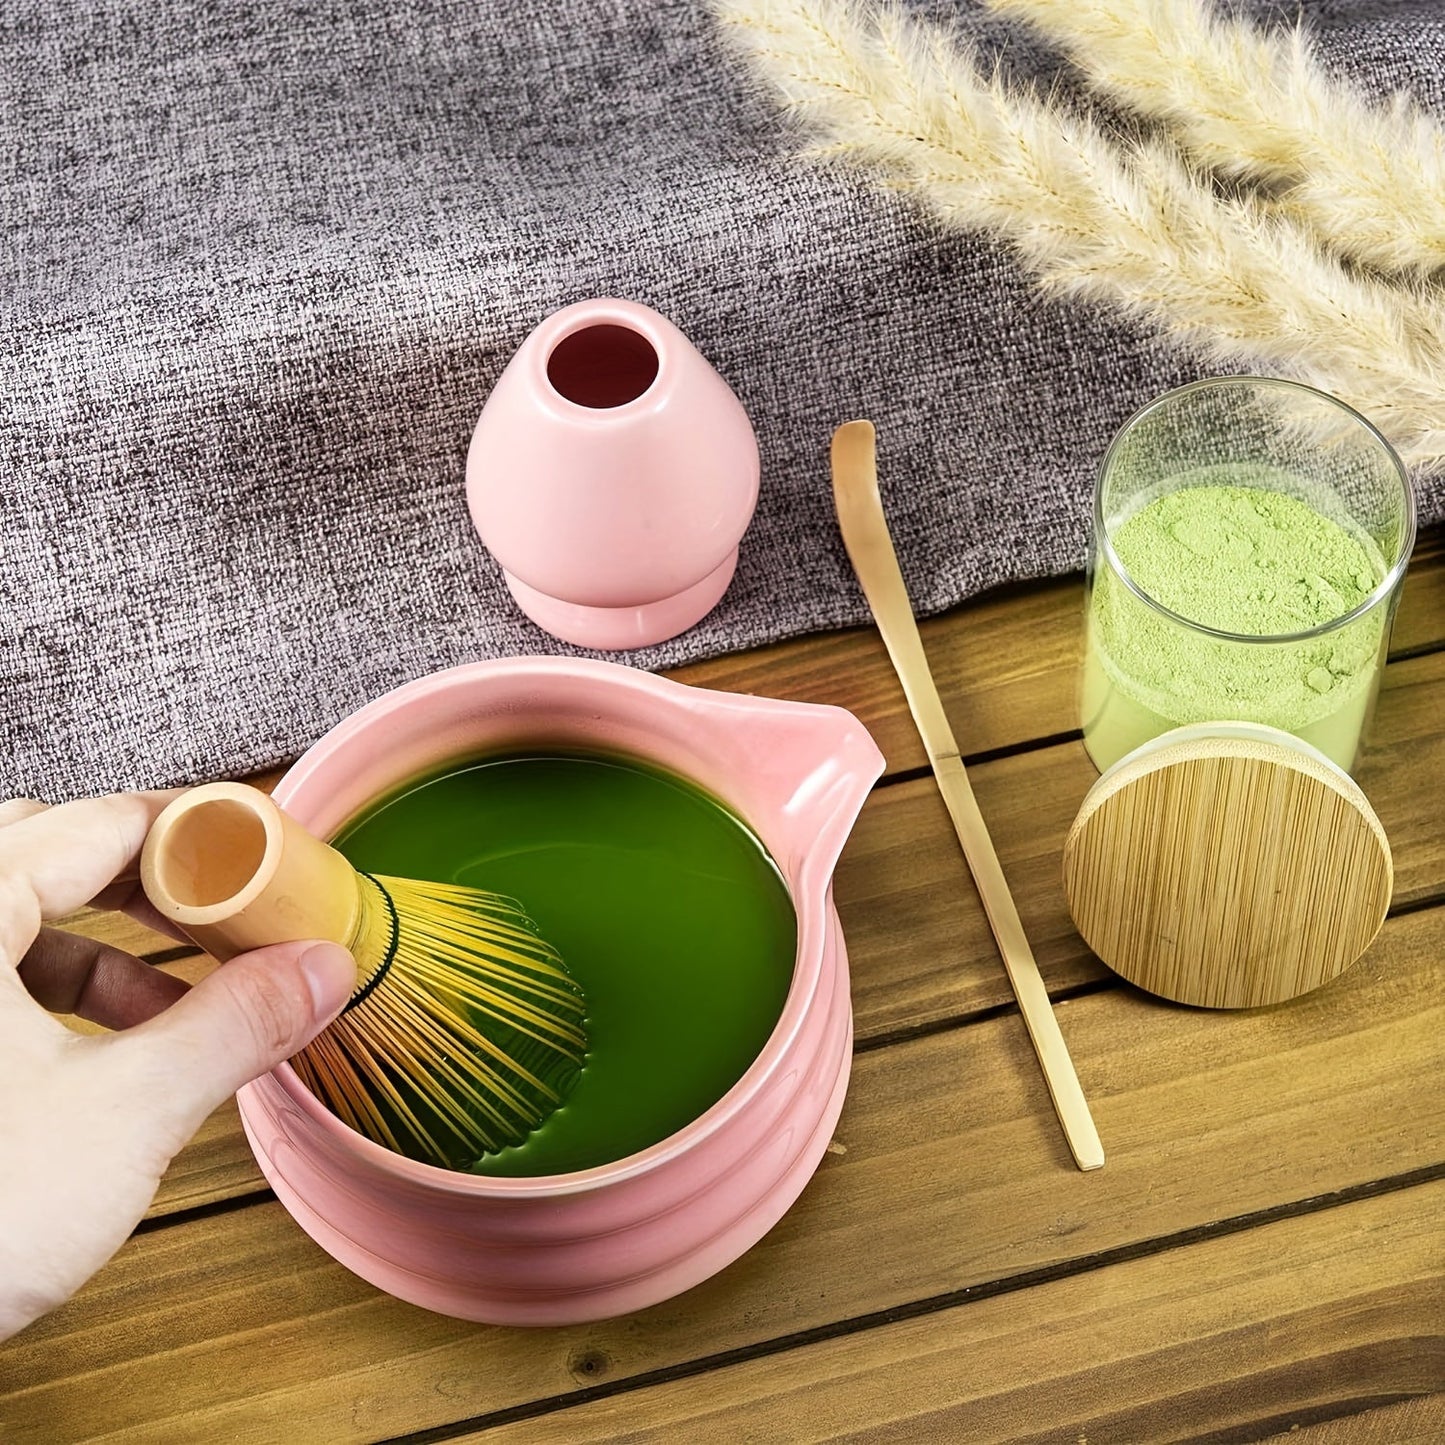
[61,858]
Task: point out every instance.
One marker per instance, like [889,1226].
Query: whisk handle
[234,873]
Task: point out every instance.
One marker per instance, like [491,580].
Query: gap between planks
[923,961]
[1404,726]
[976,651]
[947,974]
[1186,1094]
[919,1309]
[250,1188]
[825,1383]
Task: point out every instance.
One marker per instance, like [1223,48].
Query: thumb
[239,1022]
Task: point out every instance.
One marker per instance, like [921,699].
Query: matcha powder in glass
[1243,560]
[1250,539]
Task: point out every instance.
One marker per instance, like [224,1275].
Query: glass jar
[1250,540]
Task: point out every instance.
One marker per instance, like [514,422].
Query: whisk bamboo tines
[465,1031]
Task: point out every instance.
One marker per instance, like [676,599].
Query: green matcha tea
[664,906]
[1247,560]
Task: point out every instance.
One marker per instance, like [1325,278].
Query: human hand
[90,1122]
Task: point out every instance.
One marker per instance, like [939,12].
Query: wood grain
[988,654]
[1419,1420]
[952,1196]
[1007,664]
[1406,744]
[1227,872]
[1225,1339]
[1420,620]
[875,563]
[953,1179]
[919,947]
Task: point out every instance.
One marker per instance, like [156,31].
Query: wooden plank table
[1263,1252]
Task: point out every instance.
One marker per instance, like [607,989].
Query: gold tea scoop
[870,549]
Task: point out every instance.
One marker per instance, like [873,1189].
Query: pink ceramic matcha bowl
[613,1239]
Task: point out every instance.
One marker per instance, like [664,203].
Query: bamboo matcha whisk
[465,1030]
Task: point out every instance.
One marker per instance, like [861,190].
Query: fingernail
[330,977]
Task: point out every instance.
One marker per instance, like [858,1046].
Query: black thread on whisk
[386,962]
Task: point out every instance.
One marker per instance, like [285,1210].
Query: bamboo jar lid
[1227,865]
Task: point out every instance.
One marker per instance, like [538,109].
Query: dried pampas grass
[1258,105]
[1140,231]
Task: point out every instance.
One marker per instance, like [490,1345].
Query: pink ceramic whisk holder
[612,473]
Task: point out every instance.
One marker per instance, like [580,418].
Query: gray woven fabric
[265,261]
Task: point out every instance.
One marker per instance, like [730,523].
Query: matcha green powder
[1240,559]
